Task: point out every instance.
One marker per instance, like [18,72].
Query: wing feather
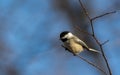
[77,40]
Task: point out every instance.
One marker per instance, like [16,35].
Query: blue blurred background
[29,36]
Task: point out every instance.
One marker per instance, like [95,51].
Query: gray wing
[77,40]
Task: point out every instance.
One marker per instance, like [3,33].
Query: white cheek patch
[69,35]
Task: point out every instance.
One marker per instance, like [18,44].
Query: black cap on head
[63,34]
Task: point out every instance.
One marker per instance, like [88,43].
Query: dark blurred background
[29,36]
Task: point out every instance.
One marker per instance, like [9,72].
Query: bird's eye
[64,40]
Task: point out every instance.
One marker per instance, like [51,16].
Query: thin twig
[92,27]
[87,33]
[93,32]
[105,42]
[103,54]
[92,64]
[97,67]
[103,15]
[84,9]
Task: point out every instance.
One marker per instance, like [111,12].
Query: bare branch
[87,33]
[97,67]
[92,64]
[84,9]
[105,42]
[93,32]
[103,15]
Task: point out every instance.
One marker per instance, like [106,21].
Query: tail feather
[94,50]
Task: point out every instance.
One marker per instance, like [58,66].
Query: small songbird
[73,44]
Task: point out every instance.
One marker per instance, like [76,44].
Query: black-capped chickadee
[73,44]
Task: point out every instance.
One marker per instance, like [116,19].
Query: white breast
[74,47]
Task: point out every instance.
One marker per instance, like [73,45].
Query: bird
[73,44]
